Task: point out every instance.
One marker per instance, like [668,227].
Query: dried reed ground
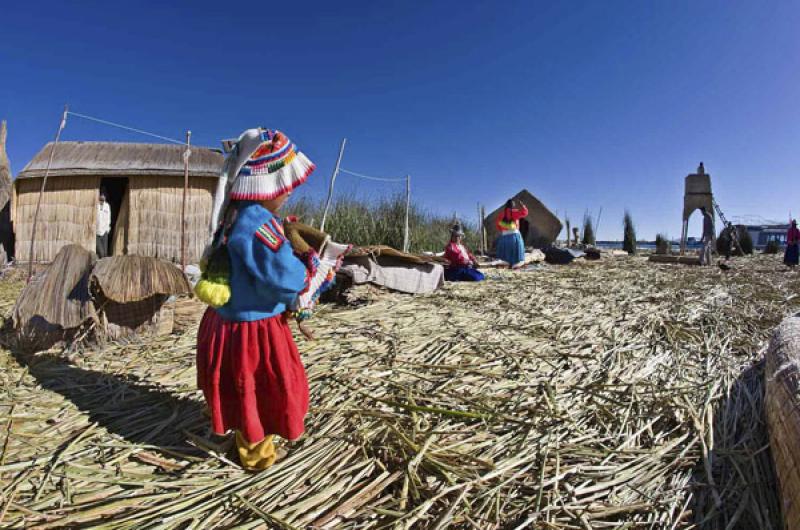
[602,395]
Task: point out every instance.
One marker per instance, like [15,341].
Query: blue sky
[589,105]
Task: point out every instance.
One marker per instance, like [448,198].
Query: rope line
[112,124]
[379,179]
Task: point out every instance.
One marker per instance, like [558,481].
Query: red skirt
[252,377]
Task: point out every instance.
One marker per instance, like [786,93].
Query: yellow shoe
[256,456]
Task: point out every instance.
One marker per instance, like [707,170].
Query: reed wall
[155,216]
[67,215]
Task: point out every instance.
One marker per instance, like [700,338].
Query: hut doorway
[524,230]
[116,190]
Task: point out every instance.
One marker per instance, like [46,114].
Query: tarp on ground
[561,256]
[394,273]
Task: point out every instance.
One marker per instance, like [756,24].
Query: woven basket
[783,414]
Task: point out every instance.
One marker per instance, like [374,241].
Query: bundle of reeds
[783,396]
[611,394]
[55,303]
[381,221]
[629,233]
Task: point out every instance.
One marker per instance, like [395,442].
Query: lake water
[642,245]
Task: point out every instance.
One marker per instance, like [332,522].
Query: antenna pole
[330,188]
[61,126]
[186,155]
[408,208]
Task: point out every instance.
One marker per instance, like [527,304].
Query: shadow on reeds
[137,411]
[744,493]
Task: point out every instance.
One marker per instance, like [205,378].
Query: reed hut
[540,229]
[143,184]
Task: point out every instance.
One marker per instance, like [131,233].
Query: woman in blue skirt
[510,247]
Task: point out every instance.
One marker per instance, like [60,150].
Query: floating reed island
[609,394]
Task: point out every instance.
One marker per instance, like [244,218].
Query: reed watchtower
[697,195]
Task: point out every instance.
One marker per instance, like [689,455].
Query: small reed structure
[56,303]
[77,296]
[130,294]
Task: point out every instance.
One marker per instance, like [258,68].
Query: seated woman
[463,264]
[510,247]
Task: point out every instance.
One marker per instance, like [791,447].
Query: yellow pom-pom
[213,293]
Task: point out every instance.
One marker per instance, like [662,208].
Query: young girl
[510,247]
[248,366]
[463,265]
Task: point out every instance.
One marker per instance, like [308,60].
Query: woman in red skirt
[248,366]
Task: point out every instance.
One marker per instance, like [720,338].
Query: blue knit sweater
[266,276]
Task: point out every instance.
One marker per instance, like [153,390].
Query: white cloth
[103,219]
[329,263]
[404,277]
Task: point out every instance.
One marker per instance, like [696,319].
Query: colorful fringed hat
[267,166]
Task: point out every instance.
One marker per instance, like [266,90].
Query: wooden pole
[61,126]
[597,225]
[186,155]
[483,231]
[480,229]
[408,209]
[684,231]
[330,188]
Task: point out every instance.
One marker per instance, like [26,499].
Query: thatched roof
[122,159]
[5,168]
[60,296]
[126,279]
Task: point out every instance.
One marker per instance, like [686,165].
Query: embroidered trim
[277,226]
[269,195]
[267,235]
[311,261]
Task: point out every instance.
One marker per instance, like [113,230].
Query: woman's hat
[266,165]
[456,230]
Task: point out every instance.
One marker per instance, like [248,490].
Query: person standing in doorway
[103,226]
[708,237]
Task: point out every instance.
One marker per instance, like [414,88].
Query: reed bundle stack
[76,296]
[783,413]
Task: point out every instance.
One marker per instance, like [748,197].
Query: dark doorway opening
[114,189]
[524,229]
